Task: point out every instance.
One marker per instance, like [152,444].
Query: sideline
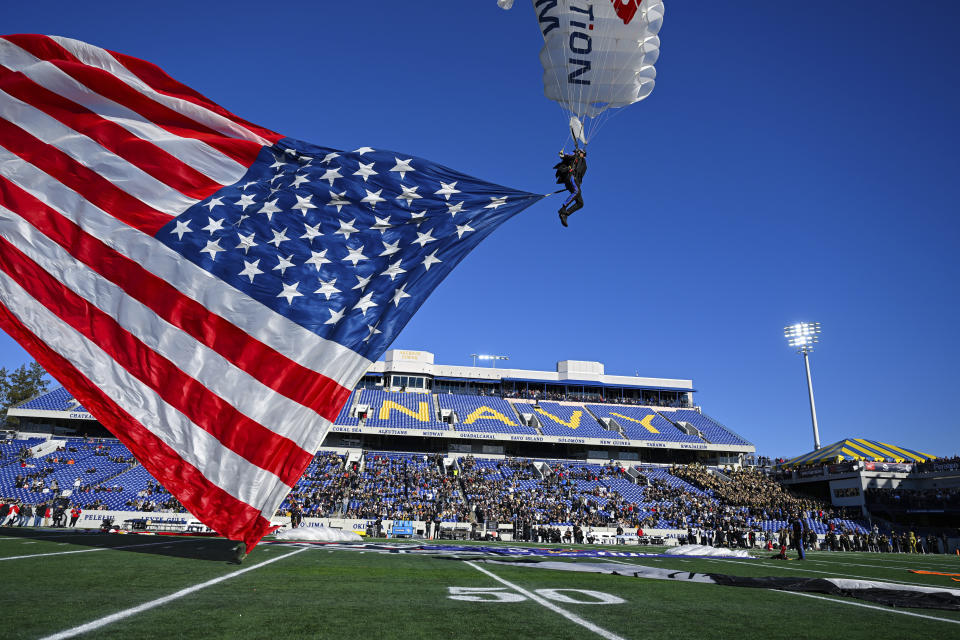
[146,606]
[64,553]
[836,601]
[867,606]
[549,605]
[834,574]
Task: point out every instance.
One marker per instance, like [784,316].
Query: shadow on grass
[214,549]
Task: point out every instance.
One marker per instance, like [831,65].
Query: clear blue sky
[794,163]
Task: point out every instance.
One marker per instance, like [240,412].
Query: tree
[23,383]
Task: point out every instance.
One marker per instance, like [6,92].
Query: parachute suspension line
[556,76]
[597,120]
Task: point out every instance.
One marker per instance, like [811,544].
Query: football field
[64,584]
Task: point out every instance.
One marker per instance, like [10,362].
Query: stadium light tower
[483,356]
[802,336]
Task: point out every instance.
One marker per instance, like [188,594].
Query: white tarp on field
[318,534]
[703,550]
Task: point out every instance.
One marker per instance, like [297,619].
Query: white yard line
[868,606]
[603,633]
[833,574]
[855,604]
[64,553]
[925,566]
[146,606]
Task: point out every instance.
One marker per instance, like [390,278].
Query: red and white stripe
[221,399]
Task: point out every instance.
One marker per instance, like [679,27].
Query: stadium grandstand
[516,454]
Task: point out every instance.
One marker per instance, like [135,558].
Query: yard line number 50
[501,594]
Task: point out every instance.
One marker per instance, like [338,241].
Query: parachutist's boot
[563,216]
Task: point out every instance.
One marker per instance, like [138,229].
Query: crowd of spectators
[593,398]
[154,497]
[938,464]
[404,488]
[923,499]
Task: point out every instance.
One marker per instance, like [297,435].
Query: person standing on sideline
[798,535]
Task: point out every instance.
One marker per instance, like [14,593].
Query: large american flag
[211,291]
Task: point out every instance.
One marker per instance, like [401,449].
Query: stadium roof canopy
[859,449]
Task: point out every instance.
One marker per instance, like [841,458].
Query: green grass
[323,593]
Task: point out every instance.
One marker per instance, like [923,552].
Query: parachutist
[570,171]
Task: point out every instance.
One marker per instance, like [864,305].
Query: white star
[246,242]
[327,288]
[372,198]
[299,180]
[334,316]
[390,249]
[303,204]
[318,259]
[244,201]
[270,208]
[362,150]
[346,228]
[454,209]
[373,331]
[182,228]
[430,260]
[362,282]
[277,163]
[403,167]
[216,202]
[330,156]
[424,238]
[496,202]
[394,270]
[284,263]
[399,295]
[463,228]
[381,224]
[355,255]
[250,269]
[213,225]
[290,152]
[281,236]
[311,232]
[409,194]
[418,218]
[244,187]
[365,171]
[338,200]
[447,190]
[212,248]
[365,303]
[331,175]
[276,177]
[290,292]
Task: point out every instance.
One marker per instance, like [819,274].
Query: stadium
[429,461]
[254,243]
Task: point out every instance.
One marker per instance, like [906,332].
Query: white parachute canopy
[597,56]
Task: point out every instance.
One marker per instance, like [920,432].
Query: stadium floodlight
[483,356]
[802,336]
